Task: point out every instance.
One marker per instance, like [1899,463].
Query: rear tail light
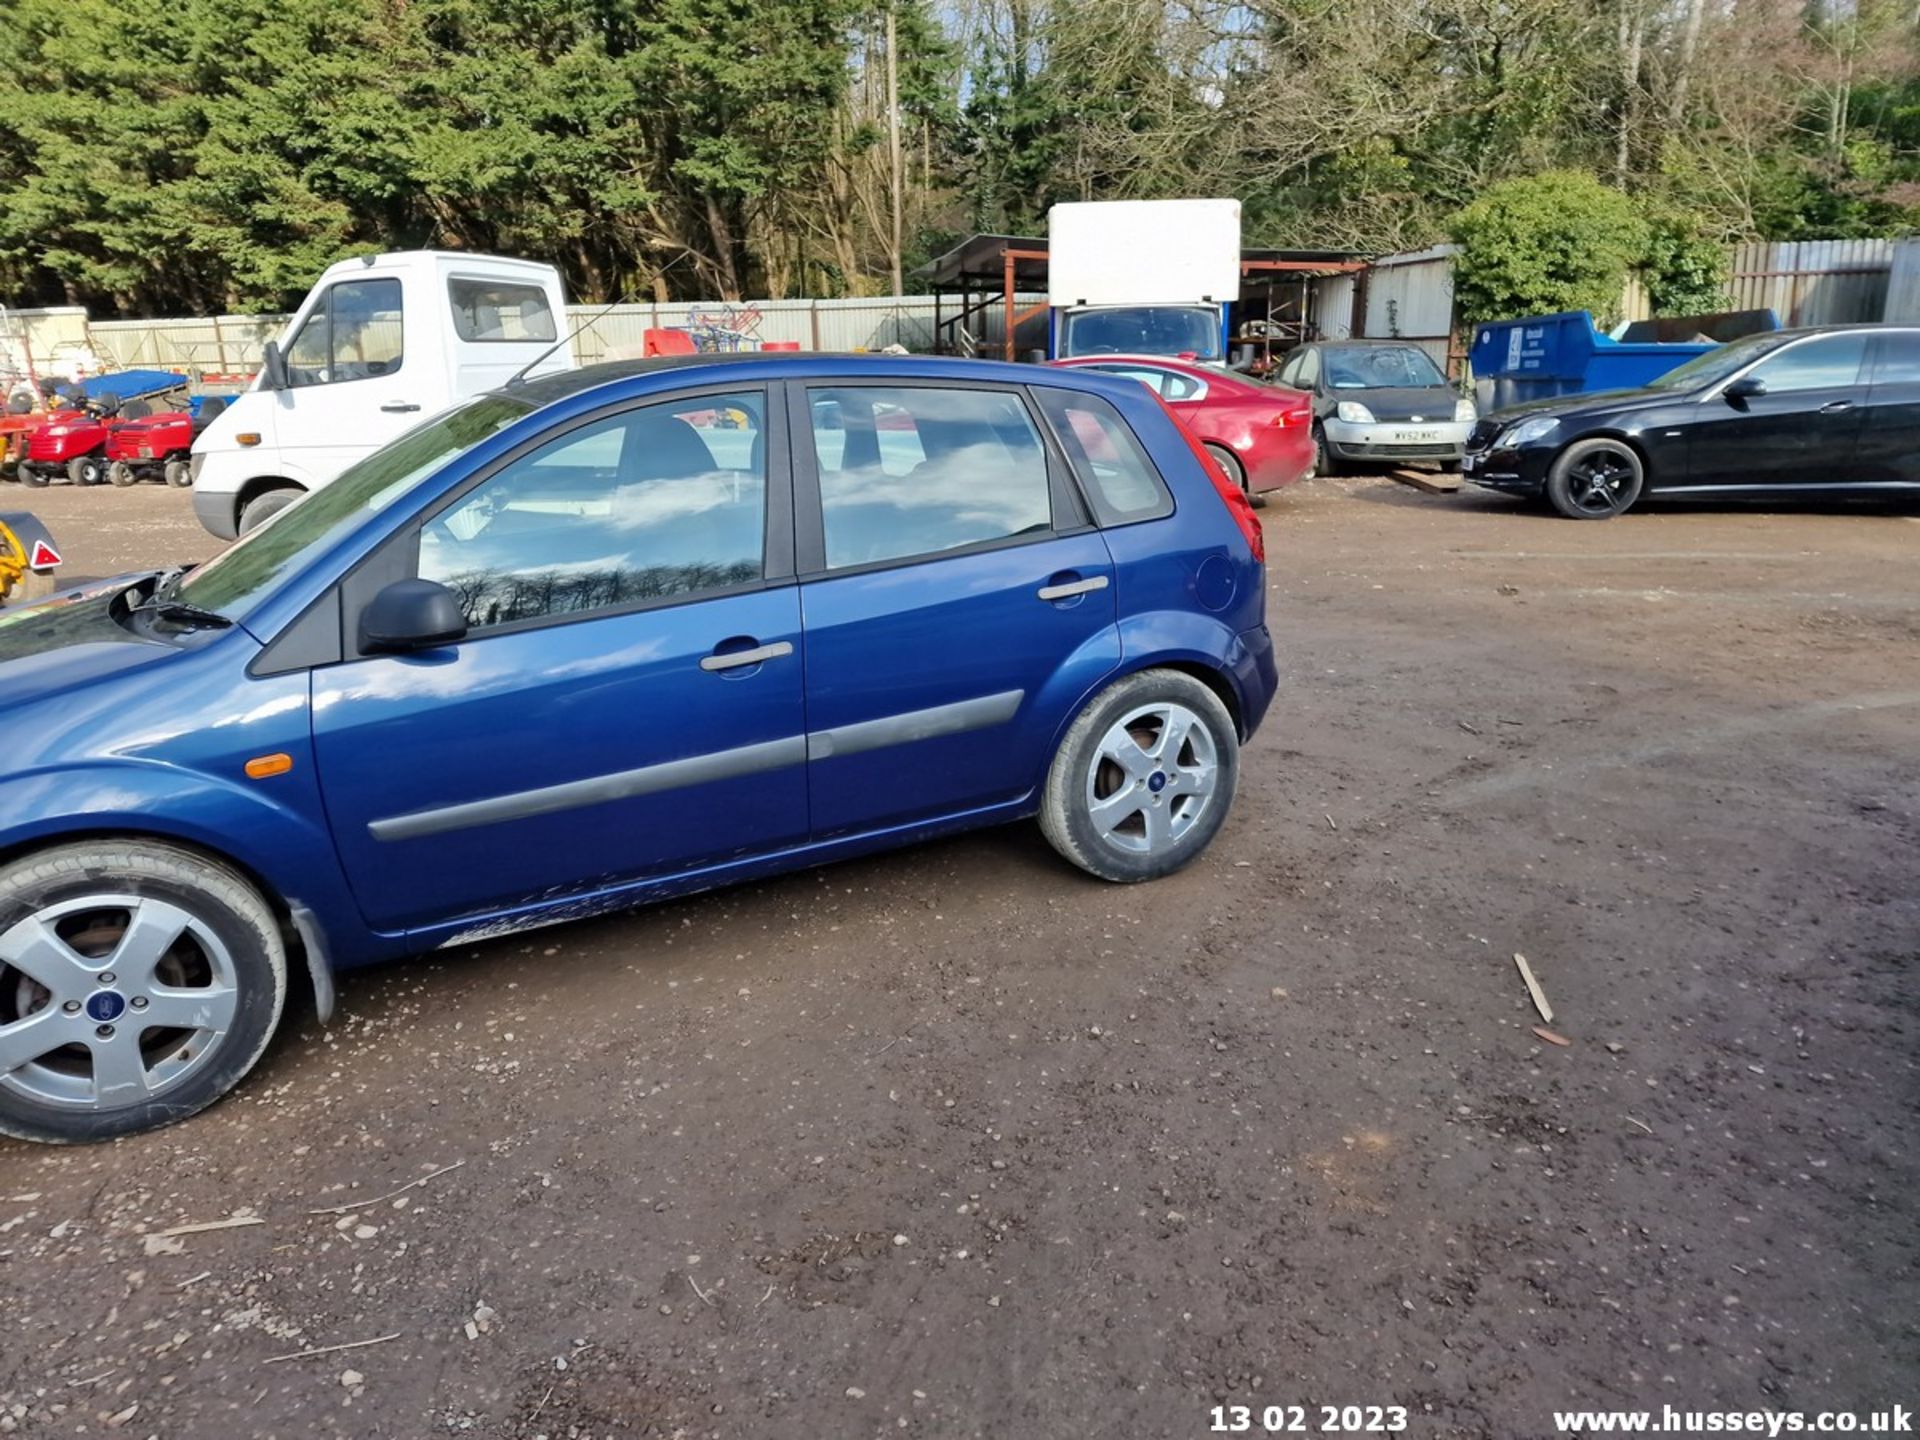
[1231,494]
[1299,419]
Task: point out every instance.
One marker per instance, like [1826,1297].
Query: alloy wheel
[1152,777]
[107,1000]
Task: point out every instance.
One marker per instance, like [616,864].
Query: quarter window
[355,333]
[664,502]
[1114,470]
[1828,363]
[486,311]
[907,472]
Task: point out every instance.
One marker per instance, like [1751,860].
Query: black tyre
[138,983]
[179,474]
[1235,472]
[1144,778]
[1595,479]
[86,470]
[264,506]
[120,473]
[1450,467]
[31,476]
[1323,461]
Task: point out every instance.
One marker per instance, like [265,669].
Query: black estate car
[1790,413]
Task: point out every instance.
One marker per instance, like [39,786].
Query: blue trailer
[1515,361]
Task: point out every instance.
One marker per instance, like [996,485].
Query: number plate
[1418,437]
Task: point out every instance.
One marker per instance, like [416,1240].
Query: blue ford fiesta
[591,641]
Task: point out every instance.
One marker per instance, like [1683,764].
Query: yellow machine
[28,558]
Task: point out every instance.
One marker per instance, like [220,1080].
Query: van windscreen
[498,310]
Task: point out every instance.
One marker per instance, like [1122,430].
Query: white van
[380,344]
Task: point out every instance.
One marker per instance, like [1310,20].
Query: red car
[1261,435]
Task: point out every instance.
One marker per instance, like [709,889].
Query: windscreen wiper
[162,603]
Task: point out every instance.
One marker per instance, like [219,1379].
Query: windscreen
[1381,367]
[1143,330]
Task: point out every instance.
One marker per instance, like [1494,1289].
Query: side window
[1824,364]
[355,333]
[1308,375]
[1899,360]
[1152,379]
[661,502]
[1114,470]
[1175,386]
[907,472]
[491,310]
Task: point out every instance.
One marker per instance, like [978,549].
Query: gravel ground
[956,1142]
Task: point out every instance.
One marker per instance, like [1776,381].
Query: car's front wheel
[1143,779]
[138,983]
[1595,479]
[264,506]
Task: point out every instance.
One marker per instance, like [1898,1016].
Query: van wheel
[264,506]
[1595,480]
[121,473]
[138,983]
[1144,778]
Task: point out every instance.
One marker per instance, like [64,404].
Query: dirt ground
[957,1142]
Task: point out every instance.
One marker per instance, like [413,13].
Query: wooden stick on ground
[1533,988]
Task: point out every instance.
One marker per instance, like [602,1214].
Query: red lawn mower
[158,447]
[73,438]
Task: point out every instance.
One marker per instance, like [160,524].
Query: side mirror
[1745,388]
[274,366]
[412,615]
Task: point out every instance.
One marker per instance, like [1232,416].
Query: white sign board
[1143,252]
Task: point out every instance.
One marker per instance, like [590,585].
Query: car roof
[755,366]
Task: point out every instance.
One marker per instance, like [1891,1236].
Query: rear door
[1889,452]
[1802,433]
[957,599]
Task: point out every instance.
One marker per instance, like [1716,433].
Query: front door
[351,387]
[956,600]
[1801,432]
[627,704]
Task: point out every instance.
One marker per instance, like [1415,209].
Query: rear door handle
[734,659]
[1070,588]
[1834,407]
[398,407]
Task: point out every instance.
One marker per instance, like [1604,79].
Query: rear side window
[491,310]
[1899,360]
[1831,362]
[907,472]
[1114,470]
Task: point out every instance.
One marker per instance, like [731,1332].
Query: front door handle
[1068,589]
[399,407]
[734,659]
[1835,407]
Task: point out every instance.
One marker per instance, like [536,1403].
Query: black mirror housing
[1745,388]
[274,366]
[412,615]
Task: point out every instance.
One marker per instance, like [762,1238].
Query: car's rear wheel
[1235,472]
[1595,479]
[264,506]
[138,983]
[1144,778]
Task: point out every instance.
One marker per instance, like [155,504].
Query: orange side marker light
[265,767]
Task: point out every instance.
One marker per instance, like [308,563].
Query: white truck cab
[378,345]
